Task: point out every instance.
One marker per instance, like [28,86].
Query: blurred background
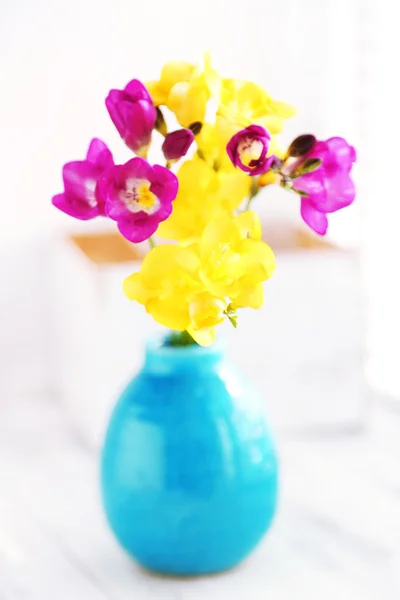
[326,347]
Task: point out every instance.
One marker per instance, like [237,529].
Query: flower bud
[308,166]
[301,145]
[248,150]
[177,143]
[196,127]
[133,114]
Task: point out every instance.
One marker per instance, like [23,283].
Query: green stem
[247,206]
[179,338]
[253,192]
[152,243]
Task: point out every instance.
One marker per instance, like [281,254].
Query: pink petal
[137,230]
[99,154]
[344,154]
[164,184]
[314,218]
[80,180]
[74,207]
[136,168]
[313,184]
[112,103]
[139,119]
[137,90]
[341,192]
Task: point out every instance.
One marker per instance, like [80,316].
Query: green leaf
[233,319]
[230,312]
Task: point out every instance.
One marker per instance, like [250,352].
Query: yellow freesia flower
[231,260]
[186,89]
[234,260]
[203,195]
[163,287]
[173,297]
[191,288]
[245,103]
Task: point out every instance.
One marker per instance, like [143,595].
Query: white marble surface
[337,535]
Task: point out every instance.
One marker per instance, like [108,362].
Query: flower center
[137,197]
[249,149]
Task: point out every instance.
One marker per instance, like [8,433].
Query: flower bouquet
[188,457]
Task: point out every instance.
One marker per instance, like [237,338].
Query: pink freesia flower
[248,150]
[138,196]
[81,198]
[133,114]
[177,143]
[329,188]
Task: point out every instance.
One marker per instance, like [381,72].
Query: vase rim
[156,346]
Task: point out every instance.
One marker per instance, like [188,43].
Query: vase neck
[164,359]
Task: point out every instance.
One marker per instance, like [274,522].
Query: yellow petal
[258,261]
[188,100]
[222,288]
[249,225]
[198,202]
[196,177]
[170,312]
[157,262]
[221,232]
[212,141]
[188,259]
[283,110]
[174,72]
[204,337]
[244,103]
[206,310]
[250,296]
[211,77]
[267,179]
[134,289]
[272,122]
[276,147]
[158,95]
[233,188]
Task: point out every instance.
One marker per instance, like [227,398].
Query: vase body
[189,470]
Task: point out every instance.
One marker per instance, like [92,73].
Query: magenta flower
[248,150]
[138,196]
[177,143]
[133,114]
[82,198]
[329,188]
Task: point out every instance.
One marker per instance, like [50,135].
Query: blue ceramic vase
[189,470]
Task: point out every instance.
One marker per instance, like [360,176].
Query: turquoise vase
[189,470]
